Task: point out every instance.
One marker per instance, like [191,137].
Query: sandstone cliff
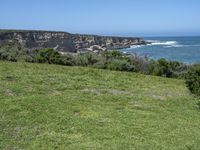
[66,42]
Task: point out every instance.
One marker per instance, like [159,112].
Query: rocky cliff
[66,42]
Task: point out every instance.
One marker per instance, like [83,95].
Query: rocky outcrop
[66,42]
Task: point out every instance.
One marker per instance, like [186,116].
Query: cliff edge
[67,42]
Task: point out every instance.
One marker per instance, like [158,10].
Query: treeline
[112,60]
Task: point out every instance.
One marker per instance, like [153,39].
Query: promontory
[67,42]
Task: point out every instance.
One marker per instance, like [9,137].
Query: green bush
[193,80]
[81,60]
[68,60]
[101,63]
[112,54]
[92,58]
[119,65]
[163,68]
[48,55]
[178,70]
[12,51]
[86,59]
[140,64]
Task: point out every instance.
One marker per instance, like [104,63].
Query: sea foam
[164,43]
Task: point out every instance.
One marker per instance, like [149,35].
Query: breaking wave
[159,43]
[136,46]
[165,44]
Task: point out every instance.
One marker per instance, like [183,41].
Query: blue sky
[107,17]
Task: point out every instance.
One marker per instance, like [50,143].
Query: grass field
[56,107]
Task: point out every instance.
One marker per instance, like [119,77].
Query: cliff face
[66,42]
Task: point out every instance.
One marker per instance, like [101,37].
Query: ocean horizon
[184,49]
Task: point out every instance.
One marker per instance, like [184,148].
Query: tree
[48,55]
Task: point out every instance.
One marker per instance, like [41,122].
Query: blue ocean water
[183,49]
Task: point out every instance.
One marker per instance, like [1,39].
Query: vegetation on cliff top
[112,60]
[46,106]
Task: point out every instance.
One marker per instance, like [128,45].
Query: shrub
[68,59]
[48,55]
[112,54]
[178,69]
[140,64]
[81,60]
[101,63]
[116,54]
[92,58]
[163,68]
[119,65]
[193,80]
[12,51]
[86,59]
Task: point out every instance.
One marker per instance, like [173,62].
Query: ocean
[183,49]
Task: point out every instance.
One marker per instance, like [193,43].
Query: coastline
[184,49]
[68,42]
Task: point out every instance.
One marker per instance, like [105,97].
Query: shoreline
[68,42]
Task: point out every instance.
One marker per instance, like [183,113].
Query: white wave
[136,46]
[164,43]
[154,43]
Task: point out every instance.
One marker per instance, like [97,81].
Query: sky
[104,17]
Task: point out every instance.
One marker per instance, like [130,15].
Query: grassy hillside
[48,107]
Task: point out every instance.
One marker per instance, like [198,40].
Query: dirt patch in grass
[9,92]
[110,91]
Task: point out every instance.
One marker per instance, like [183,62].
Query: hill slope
[48,107]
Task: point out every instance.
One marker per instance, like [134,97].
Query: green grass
[56,107]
